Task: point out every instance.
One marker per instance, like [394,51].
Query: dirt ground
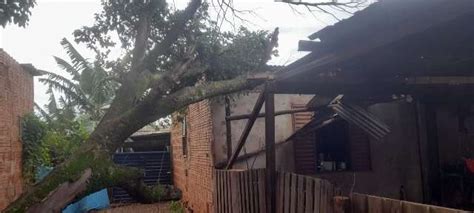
[140,208]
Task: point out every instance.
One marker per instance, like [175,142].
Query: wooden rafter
[282,112]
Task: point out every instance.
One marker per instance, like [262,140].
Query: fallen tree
[172,58]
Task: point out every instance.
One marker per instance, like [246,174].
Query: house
[410,65]
[387,110]
[16,100]
[198,144]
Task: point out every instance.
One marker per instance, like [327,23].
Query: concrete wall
[16,100]
[192,173]
[394,160]
[256,140]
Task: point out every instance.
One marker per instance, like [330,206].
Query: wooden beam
[283,112]
[243,157]
[305,45]
[228,128]
[270,167]
[248,127]
[440,80]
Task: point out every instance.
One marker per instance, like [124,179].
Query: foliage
[90,90]
[15,11]
[222,55]
[176,207]
[34,151]
[48,143]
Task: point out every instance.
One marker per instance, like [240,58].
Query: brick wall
[16,100]
[193,173]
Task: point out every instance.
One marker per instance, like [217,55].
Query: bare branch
[324,6]
[327,12]
[225,6]
[350,3]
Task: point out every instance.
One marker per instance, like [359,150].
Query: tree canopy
[16,11]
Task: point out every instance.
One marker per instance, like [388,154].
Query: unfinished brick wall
[192,173]
[16,100]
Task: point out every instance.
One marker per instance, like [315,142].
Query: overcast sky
[52,20]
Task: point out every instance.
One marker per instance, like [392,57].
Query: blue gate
[156,165]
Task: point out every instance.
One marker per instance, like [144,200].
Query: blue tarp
[95,201]
[42,172]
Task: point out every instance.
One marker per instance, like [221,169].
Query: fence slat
[229,195]
[324,197]
[223,194]
[280,192]
[392,206]
[261,189]
[330,196]
[308,208]
[242,192]
[374,204]
[248,206]
[287,192]
[293,193]
[317,196]
[414,208]
[243,205]
[359,203]
[300,194]
[255,190]
[236,192]
[219,192]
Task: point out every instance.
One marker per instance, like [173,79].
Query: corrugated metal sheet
[156,165]
[363,119]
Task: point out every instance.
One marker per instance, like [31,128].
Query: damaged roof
[393,38]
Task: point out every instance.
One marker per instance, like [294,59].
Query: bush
[48,143]
[176,207]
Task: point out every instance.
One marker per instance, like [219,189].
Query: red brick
[198,161]
[16,100]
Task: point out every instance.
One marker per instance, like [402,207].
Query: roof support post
[228,128]
[270,177]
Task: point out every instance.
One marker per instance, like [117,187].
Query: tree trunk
[95,154]
[87,171]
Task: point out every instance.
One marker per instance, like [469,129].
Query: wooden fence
[244,191]
[361,203]
[298,193]
[239,191]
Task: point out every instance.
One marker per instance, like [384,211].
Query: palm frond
[76,75]
[43,113]
[78,61]
[78,98]
[52,105]
[62,80]
[68,108]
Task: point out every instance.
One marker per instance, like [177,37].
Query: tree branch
[350,3]
[272,43]
[143,31]
[172,35]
